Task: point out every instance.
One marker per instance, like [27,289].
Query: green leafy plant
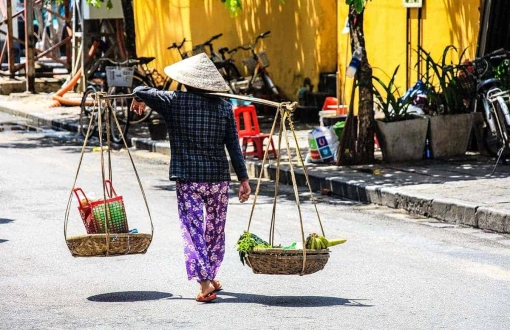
[98,3]
[389,100]
[502,73]
[235,6]
[247,242]
[446,95]
[358,4]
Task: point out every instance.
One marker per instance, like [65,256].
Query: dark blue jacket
[200,127]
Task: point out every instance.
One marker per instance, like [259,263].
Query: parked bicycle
[491,99]
[225,66]
[115,79]
[236,81]
[257,63]
[103,104]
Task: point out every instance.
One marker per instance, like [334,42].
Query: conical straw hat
[199,72]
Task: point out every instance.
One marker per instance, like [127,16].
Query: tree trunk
[129,28]
[365,145]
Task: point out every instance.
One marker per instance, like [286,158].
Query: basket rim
[106,236]
[288,252]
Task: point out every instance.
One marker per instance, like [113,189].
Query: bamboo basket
[287,262]
[110,245]
[277,261]
[111,240]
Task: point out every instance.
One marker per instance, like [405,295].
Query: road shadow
[288,301]
[267,188]
[5,220]
[130,296]
[68,141]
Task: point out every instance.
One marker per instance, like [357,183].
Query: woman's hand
[244,190]
[137,107]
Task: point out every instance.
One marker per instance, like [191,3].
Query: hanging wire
[98,103]
[284,111]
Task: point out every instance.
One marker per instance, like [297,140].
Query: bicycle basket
[119,77]
[195,51]
[264,60]
[483,69]
[467,82]
[250,63]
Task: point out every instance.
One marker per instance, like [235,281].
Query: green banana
[334,242]
[317,242]
[308,243]
[324,241]
[314,244]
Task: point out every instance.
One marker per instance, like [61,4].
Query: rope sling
[273,260]
[109,243]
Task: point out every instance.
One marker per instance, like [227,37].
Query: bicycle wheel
[88,113]
[494,143]
[119,110]
[133,117]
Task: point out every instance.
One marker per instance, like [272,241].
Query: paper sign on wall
[413,3]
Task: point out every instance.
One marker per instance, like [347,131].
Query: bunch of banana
[317,242]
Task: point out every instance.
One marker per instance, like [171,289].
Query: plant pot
[157,129]
[449,134]
[402,140]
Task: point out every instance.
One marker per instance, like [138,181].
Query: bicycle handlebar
[174,45]
[261,36]
[127,62]
[496,52]
[243,47]
[208,42]
[495,55]
[252,46]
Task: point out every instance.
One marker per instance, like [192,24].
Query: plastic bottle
[428,153]
[355,62]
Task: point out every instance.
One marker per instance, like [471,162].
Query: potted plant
[157,128]
[449,112]
[401,135]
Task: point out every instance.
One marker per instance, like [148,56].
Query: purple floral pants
[202,211]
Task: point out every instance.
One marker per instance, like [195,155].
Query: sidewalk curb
[448,210]
[42,122]
[350,186]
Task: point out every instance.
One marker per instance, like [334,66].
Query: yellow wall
[302,42]
[306,36]
[443,23]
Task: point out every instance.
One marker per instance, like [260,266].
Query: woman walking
[200,127]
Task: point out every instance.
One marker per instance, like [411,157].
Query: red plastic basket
[95,214]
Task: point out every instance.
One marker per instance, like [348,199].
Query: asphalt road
[396,271]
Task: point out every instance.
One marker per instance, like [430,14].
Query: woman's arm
[234,149]
[157,99]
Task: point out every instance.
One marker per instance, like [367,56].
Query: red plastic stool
[250,134]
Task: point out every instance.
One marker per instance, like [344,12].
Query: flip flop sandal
[207,298]
[217,285]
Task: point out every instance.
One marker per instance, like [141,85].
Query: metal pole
[484,27]
[29,45]
[68,17]
[10,43]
